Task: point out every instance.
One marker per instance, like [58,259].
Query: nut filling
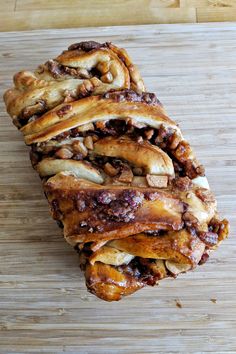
[78,144]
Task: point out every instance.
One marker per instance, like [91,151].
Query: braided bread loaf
[120,179]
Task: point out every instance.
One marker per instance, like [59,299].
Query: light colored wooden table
[19,15]
[44,305]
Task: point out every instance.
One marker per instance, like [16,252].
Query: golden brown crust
[108,283]
[178,246]
[50,167]
[93,109]
[145,155]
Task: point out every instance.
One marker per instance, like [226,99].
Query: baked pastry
[86,68]
[121,181]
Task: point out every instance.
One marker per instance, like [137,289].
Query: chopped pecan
[131,123]
[192,169]
[200,170]
[221,227]
[103,67]
[79,147]
[88,142]
[58,70]
[100,125]
[189,219]
[69,96]
[110,170]
[64,110]
[183,183]
[75,132]
[149,133]
[209,238]
[132,96]
[174,141]
[183,151]
[157,181]
[150,98]
[95,138]
[139,181]
[138,171]
[205,195]
[54,68]
[126,175]
[85,88]
[152,270]
[163,134]
[64,153]
[45,148]
[139,139]
[81,73]
[107,78]
[177,167]
[38,107]
[85,127]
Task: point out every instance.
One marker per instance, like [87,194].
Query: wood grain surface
[44,305]
[21,15]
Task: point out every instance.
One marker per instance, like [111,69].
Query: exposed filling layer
[59,71]
[80,144]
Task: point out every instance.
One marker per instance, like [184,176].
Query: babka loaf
[121,180]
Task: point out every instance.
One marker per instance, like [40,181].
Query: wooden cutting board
[44,305]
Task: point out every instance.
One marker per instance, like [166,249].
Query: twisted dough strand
[72,75]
